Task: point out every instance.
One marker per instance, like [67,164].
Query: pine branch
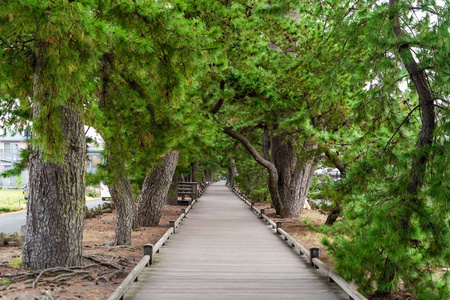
[398,129]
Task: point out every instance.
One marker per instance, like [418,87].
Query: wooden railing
[149,252]
[312,255]
[203,188]
[191,189]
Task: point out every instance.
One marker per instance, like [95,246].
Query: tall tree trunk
[288,180]
[273,174]
[305,180]
[172,196]
[154,190]
[335,211]
[120,189]
[55,211]
[230,179]
[231,173]
[123,198]
[412,203]
[194,170]
[284,157]
[294,175]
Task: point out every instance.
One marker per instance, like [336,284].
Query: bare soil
[104,265]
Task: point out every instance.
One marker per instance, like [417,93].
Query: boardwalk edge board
[149,252]
[310,254]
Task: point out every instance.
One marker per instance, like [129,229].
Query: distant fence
[312,254]
[193,190]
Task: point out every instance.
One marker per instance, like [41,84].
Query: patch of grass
[5,282]
[9,207]
[12,200]
[15,262]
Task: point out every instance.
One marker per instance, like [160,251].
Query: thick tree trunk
[123,198]
[154,190]
[55,211]
[306,176]
[209,176]
[232,171]
[288,181]
[230,178]
[194,170]
[294,176]
[120,189]
[284,157]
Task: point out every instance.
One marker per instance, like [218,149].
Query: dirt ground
[104,266]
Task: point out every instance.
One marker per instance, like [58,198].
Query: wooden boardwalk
[223,251]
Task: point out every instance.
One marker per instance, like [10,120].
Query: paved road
[223,251]
[13,222]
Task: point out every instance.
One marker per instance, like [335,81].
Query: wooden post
[263,212]
[172,224]
[279,226]
[183,210]
[252,204]
[148,250]
[313,253]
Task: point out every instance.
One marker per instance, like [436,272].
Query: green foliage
[12,200]
[19,181]
[389,235]
[56,44]
[18,167]
[5,282]
[15,262]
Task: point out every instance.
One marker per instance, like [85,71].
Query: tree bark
[289,179]
[335,211]
[273,174]
[294,176]
[120,189]
[194,170]
[172,196]
[123,198]
[154,190]
[55,211]
[284,157]
[230,178]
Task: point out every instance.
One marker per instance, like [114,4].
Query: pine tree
[394,230]
[48,52]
